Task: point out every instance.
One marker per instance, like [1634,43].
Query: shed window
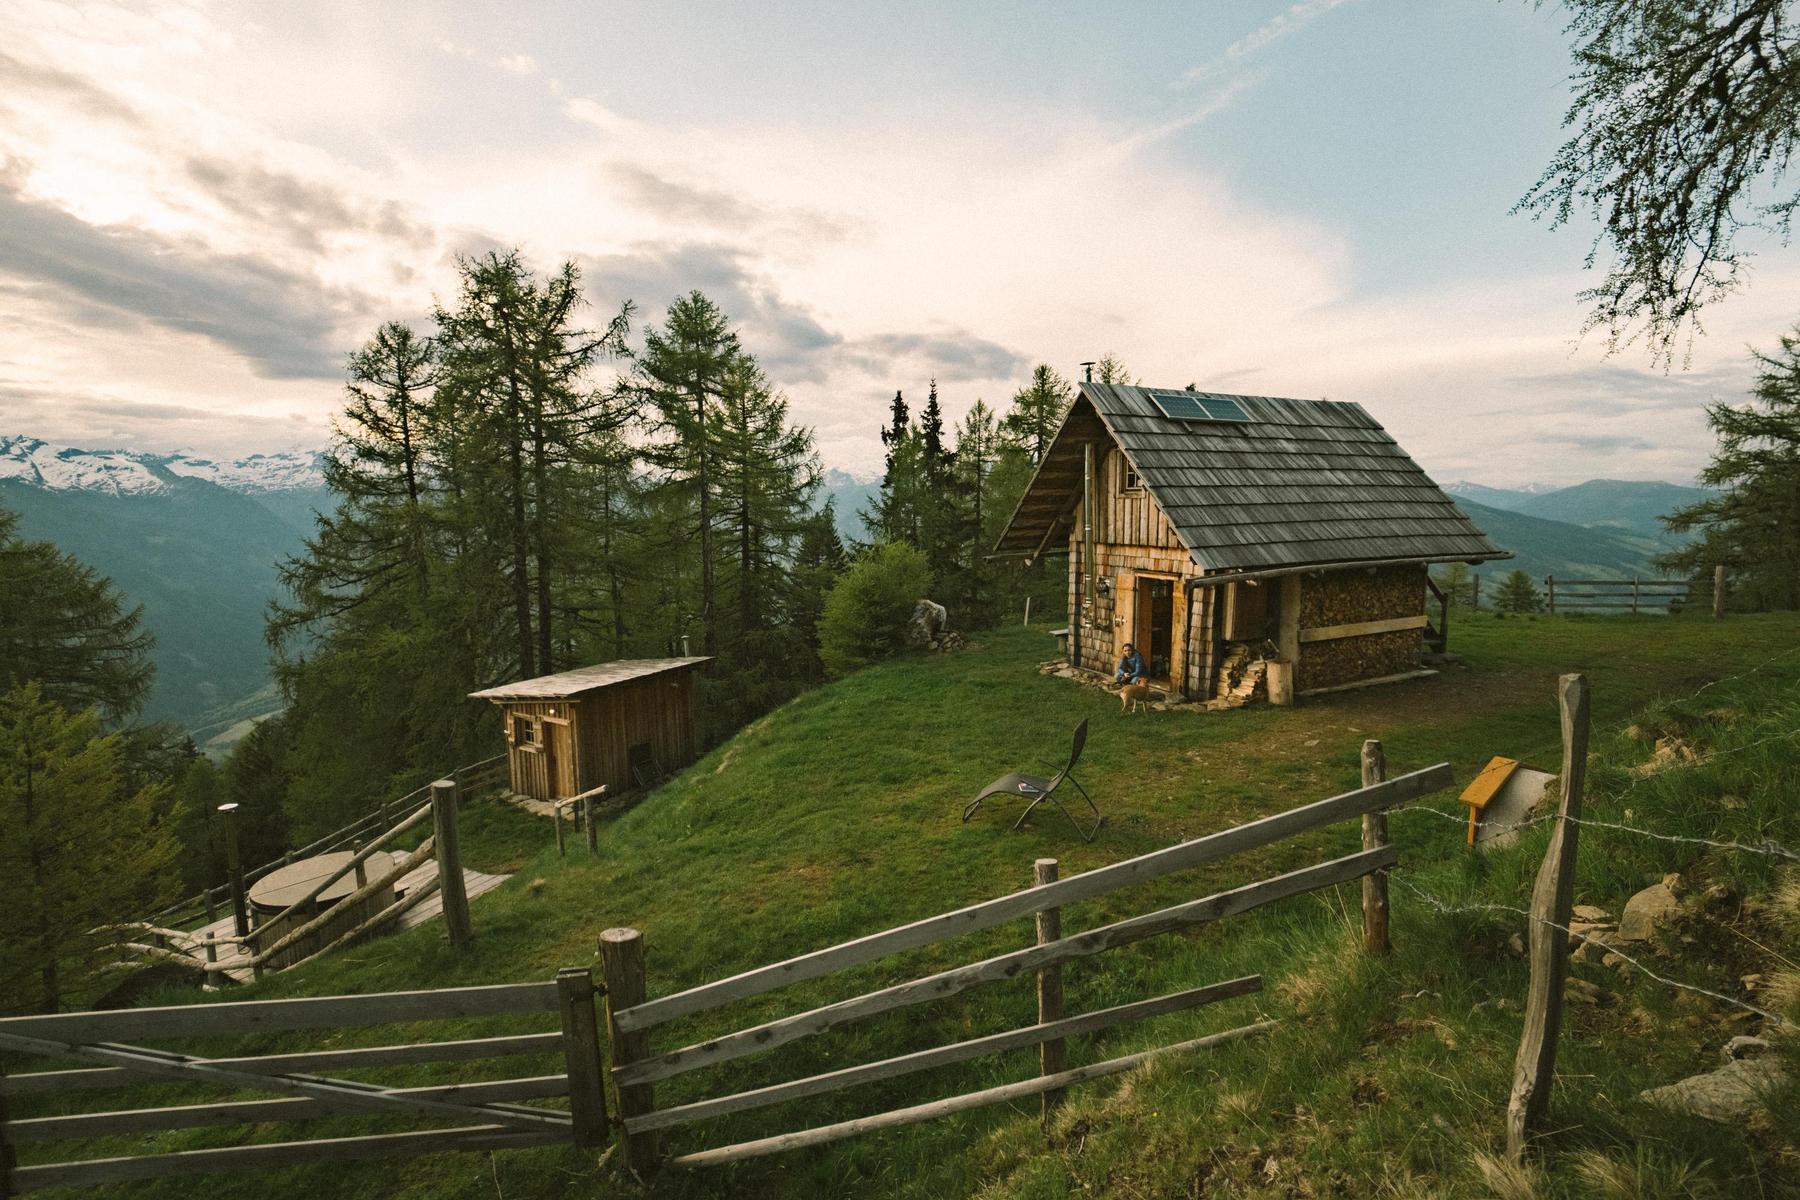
[1128,479]
[525,730]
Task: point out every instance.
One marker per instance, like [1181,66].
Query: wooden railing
[1616,595]
[493,1113]
[204,904]
[631,1017]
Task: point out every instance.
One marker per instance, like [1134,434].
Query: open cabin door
[559,752]
[1155,621]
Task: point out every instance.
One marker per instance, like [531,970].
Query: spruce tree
[66,628]
[78,850]
[1753,524]
[1518,594]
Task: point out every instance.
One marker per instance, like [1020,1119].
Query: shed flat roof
[565,685]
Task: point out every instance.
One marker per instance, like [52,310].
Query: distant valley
[196,542]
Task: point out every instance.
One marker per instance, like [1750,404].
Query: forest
[523,487]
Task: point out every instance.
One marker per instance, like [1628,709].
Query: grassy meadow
[839,815]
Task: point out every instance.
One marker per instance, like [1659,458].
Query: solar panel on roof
[1195,406]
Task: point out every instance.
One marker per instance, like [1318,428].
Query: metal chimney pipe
[1088,367]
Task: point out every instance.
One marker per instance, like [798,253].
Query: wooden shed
[1220,534]
[622,724]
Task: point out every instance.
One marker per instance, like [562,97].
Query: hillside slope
[1633,506]
[837,815]
[200,559]
[1543,547]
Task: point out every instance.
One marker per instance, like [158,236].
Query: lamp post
[235,867]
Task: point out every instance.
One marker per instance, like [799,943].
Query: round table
[274,892]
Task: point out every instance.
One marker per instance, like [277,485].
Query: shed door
[559,749]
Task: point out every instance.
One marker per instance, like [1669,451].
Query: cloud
[1296,18]
[957,355]
[308,213]
[82,95]
[283,322]
[517,64]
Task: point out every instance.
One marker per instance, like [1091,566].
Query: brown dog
[1134,697]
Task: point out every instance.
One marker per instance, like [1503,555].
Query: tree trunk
[708,638]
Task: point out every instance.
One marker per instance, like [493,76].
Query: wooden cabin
[623,724]
[1221,534]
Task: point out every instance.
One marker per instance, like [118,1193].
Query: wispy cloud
[1294,19]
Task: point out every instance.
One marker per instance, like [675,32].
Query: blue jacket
[1131,666]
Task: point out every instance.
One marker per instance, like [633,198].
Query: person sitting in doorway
[1131,668]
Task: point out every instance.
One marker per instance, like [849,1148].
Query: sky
[204,207]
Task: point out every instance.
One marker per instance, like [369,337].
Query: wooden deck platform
[475,883]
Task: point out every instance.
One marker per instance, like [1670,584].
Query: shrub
[867,610]
[1518,595]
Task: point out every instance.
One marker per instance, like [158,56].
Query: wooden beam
[277,1016]
[1328,633]
[940,1108]
[1374,834]
[1086,885]
[1004,966]
[1376,681]
[346,1093]
[280,1154]
[293,1108]
[48,1082]
[939,1056]
[1052,1052]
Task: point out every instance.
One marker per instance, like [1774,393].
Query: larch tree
[1037,412]
[683,373]
[1686,119]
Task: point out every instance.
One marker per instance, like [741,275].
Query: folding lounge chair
[1037,789]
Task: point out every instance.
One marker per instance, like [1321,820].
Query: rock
[1751,982]
[929,620]
[1743,1046]
[1516,944]
[1731,1093]
[1644,912]
[1615,960]
[1672,881]
[1592,913]
[1580,991]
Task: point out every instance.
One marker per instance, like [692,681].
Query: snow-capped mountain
[127,472]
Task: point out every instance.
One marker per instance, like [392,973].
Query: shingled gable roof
[1302,483]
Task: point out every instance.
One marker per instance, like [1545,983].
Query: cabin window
[1128,479]
[525,730]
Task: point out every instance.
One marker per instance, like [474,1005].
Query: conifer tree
[683,372]
[894,513]
[1518,594]
[1112,369]
[67,629]
[1037,412]
[1753,524]
[77,849]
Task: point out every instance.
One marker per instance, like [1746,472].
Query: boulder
[1591,912]
[1644,912]
[1743,1046]
[1731,1093]
[929,620]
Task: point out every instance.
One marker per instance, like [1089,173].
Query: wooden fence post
[8,1157]
[1374,834]
[1053,1054]
[622,961]
[1552,898]
[556,820]
[1550,593]
[589,827]
[234,867]
[581,1050]
[1634,595]
[1475,594]
[1719,592]
[449,862]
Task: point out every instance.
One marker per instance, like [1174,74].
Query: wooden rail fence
[492,1114]
[204,904]
[1617,595]
[631,1016]
[297,935]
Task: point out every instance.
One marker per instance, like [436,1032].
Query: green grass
[838,815]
